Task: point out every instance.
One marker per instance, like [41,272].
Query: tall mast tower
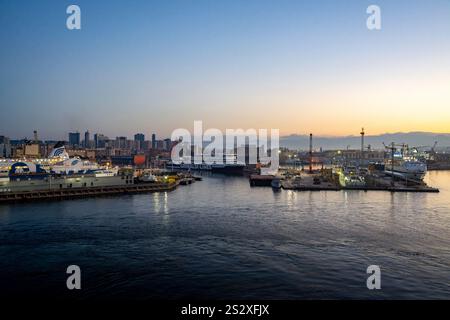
[362,146]
[310,153]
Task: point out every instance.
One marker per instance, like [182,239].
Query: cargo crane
[431,153]
[404,152]
[432,148]
[392,148]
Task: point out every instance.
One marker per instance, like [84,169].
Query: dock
[86,192]
[287,185]
[423,189]
[332,187]
[320,182]
[307,183]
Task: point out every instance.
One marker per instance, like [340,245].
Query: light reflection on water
[220,238]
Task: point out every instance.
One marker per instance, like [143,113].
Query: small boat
[276,183]
[148,177]
[349,177]
[354,181]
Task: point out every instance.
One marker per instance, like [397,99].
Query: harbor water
[222,239]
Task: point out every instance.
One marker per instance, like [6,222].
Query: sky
[153,66]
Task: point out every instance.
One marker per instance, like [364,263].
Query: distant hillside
[376,141]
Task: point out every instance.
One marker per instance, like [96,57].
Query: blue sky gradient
[152,66]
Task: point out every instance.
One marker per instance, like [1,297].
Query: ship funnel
[59,152]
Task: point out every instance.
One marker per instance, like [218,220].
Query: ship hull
[25,183]
[406,169]
[228,169]
[405,174]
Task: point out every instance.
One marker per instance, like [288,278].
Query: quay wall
[70,193]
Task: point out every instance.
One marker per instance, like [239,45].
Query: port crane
[392,148]
[404,148]
[432,149]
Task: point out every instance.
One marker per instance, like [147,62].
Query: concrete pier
[85,192]
[318,182]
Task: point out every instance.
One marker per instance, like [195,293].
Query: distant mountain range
[375,141]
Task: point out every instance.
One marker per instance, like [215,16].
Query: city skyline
[296,66]
[440,141]
[65,136]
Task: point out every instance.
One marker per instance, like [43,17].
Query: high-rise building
[87,143]
[139,137]
[4,139]
[5,147]
[100,140]
[167,144]
[121,142]
[74,138]
[154,144]
[96,140]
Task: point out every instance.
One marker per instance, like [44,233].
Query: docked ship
[189,166]
[405,165]
[225,168]
[230,166]
[58,171]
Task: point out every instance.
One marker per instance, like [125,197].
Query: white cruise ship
[405,166]
[58,162]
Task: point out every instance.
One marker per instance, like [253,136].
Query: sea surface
[222,239]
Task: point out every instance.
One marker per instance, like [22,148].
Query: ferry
[405,165]
[58,171]
[59,162]
[229,167]
[225,168]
